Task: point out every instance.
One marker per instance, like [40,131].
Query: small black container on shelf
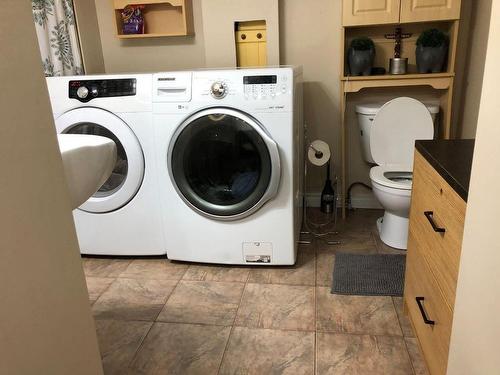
[360,56]
[431,51]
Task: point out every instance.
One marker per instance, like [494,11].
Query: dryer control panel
[86,90]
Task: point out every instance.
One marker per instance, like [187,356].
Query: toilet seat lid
[396,127]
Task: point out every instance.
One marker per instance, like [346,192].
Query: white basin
[88,162]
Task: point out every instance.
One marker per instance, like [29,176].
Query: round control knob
[218,90]
[82,92]
[94,91]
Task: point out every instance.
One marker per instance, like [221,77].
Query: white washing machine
[123,217]
[230,156]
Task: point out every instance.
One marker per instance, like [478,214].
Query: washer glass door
[223,164]
[128,173]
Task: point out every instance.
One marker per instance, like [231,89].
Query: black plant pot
[430,59]
[360,62]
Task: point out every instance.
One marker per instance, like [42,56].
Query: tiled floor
[154,316]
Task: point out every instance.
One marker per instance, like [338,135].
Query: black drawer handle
[422,311]
[428,215]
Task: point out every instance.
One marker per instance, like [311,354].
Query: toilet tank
[366,113]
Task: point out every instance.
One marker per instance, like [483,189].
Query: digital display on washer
[260,80]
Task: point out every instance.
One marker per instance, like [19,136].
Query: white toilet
[388,135]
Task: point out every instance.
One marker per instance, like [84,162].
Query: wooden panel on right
[429,10]
[440,250]
[437,217]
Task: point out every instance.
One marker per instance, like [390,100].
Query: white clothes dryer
[229,149]
[123,217]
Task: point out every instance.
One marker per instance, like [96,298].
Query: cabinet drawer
[441,250]
[434,338]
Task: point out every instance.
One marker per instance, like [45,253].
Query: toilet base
[393,230]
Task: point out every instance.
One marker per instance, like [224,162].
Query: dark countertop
[452,159]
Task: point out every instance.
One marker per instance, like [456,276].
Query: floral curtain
[57,37]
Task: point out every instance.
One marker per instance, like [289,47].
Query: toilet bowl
[393,132]
[394,196]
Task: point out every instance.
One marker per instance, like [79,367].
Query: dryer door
[223,163]
[127,176]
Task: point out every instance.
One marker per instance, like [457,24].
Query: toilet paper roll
[319,153]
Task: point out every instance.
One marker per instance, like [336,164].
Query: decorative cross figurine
[397,36]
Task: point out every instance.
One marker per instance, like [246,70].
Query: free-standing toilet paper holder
[319,154]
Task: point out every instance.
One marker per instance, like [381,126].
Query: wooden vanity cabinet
[437,217]
[379,12]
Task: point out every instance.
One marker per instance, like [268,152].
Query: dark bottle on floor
[328,194]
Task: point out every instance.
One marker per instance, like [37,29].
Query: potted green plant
[360,55]
[431,51]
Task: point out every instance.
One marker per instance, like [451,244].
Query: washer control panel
[263,87]
[86,90]
[256,89]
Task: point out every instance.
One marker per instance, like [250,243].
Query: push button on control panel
[259,91]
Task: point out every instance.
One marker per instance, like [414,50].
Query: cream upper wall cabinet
[376,12]
[429,10]
[370,12]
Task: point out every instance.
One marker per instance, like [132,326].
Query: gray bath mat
[369,275]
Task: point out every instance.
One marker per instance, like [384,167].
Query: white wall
[212,44]
[149,54]
[219,17]
[476,325]
[471,54]
[310,36]
[90,40]
[46,326]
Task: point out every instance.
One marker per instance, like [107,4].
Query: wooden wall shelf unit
[162,18]
[376,18]
[438,81]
